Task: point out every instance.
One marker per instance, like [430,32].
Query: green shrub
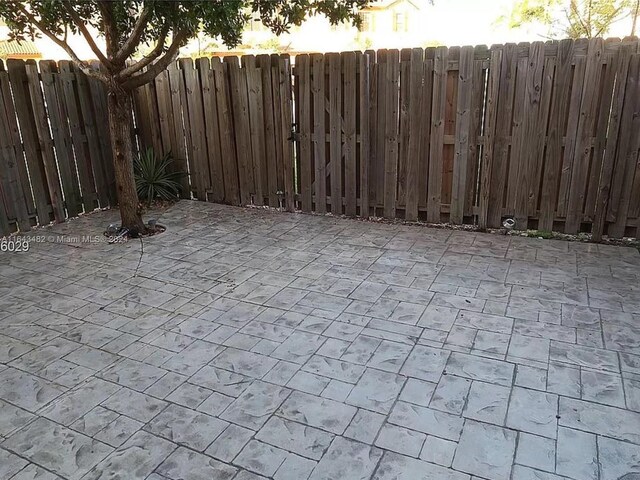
[153,178]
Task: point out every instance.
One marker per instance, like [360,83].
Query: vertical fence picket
[601,126]
[621,67]
[264,61]
[416,122]
[487,161]
[177,127]
[627,154]
[212,130]
[286,121]
[276,91]
[364,90]
[64,159]
[200,174]
[502,140]
[437,135]
[33,151]
[349,121]
[540,138]
[303,81]
[45,141]
[426,93]
[391,134]
[380,136]
[161,86]
[403,132]
[227,145]
[335,131]
[571,131]
[18,190]
[526,187]
[93,115]
[584,134]
[553,155]
[517,154]
[463,124]
[67,80]
[256,124]
[480,73]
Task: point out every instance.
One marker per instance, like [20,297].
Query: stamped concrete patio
[257,344]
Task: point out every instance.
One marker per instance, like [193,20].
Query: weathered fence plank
[463,125]
[33,153]
[503,138]
[487,162]
[68,95]
[437,135]
[571,133]
[180,162]
[416,125]
[286,123]
[96,95]
[526,185]
[553,157]
[350,167]
[584,134]
[212,129]
[256,126]
[17,190]
[303,81]
[227,145]
[391,133]
[319,135]
[52,88]
[628,145]
[199,165]
[403,135]
[335,131]
[365,96]
[45,141]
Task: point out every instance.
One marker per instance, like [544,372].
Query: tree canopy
[573,18]
[167,24]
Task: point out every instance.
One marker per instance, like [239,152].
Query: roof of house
[385,4]
[24,49]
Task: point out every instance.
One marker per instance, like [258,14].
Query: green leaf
[154,178]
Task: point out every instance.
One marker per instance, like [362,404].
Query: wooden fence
[55,156]
[547,133]
[541,132]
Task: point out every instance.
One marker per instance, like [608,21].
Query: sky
[472,22]
[446,22]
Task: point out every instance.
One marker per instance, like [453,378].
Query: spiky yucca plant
[153,178]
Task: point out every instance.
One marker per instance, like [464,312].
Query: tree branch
[609,20]
[87,36]
[86,69]
[154,70]
[110,31]
[133,41]
[575,11]
[150,57]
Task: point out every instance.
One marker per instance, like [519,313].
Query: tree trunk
[121,144]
